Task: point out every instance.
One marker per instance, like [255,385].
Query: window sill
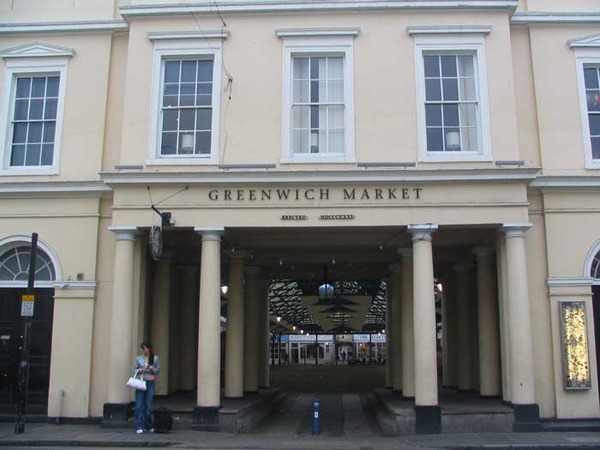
[29,171]
[593,165]
[455,157]
[318,159]
[183,161]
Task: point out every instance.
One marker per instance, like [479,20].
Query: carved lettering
[309,194]
[405,193]
[349,194]
[283,194]
[324,194]
[365,195]
[392,193]
[213,194]
[227,194]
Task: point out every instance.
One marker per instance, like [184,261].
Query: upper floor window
[452,95]
[33,108]
[318,116]
[186,100]
[591,77]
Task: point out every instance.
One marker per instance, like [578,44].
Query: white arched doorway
[15,257]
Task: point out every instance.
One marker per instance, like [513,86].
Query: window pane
[467,89]
[52,87]
[33,154]
[49,130]
[35,132]
[19,132]
[172,71]
[314,92]
[452,139]
[465,66]
[451,115]
[205,70]
[186,143]
[300,68]
[300,141]
[434,140]
[336,69]
[336,141]
[36,109]
[336,117]
[168,143]
[336,91]
[433,92]
[187,119]
[23,87]
[590,75]
[187,88]
[187,100]
[433,115]
[594,124]
[17,157]
[314,141]
[170,100]
[204,119]
[171,89]
[432,66]
[448,66]
[204,88]
[170,120]
[47,151]
[301,92]
[21,109]
[38,88]
[318,68]
[596,147]
[314,117]
[450,87]
[300,117]
[469,139]
[203,142]
[50,110]
[593,100]
[203,100]
[188,71]
[468,115]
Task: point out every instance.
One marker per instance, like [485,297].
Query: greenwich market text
[310,194]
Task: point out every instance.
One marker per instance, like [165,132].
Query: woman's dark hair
[148,345]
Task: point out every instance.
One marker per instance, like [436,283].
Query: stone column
[451,323]
[396,279]
[428,415]
[263,297]
[519,333]
[206,414]
[120,360]
[389,362]
[503,315]
[465,336]
[408,349]
[161,309]
[234,344]
[189,301]
[251,331]
[489,352]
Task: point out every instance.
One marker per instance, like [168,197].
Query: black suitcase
[163,420]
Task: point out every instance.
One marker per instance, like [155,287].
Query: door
[39,354]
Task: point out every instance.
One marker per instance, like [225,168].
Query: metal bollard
[316,429]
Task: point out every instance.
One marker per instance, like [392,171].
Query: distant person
[146,365]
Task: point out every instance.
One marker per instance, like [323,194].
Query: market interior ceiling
[353,259]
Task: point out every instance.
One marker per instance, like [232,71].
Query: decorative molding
[591,40]
[317,32]
[570,181]
[569,282]
[533,17]
[170,35]
[449,29]
[53,189]
[62,27]
[74,285]
[325,176]
[263,6]
[36,49]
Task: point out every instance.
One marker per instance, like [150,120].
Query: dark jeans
[143,407]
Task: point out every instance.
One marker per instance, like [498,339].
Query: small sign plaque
[27,303]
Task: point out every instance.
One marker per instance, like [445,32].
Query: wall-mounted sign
[27,304]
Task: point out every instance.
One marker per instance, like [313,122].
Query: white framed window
[588,74]
[452,99]
[318,100]
[186,102]
[34,93]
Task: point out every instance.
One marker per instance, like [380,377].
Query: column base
[114,415]
[527,418]
[428,419]
[206,418]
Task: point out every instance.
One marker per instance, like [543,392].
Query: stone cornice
[265,6]
[111,25]
[538,17]
[566,182]
[330,177]
[31,189]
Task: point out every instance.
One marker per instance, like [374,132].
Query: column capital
[422,231]
[405,253]
[511,230]
[210,233]
[484,252]
[124,233]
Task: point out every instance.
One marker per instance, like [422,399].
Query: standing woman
[146,365]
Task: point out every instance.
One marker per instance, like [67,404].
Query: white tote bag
[136,383]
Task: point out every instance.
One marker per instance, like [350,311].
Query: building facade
[163,148]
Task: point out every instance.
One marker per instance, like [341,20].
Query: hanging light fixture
[326,291]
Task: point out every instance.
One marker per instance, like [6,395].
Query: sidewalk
[47,435]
